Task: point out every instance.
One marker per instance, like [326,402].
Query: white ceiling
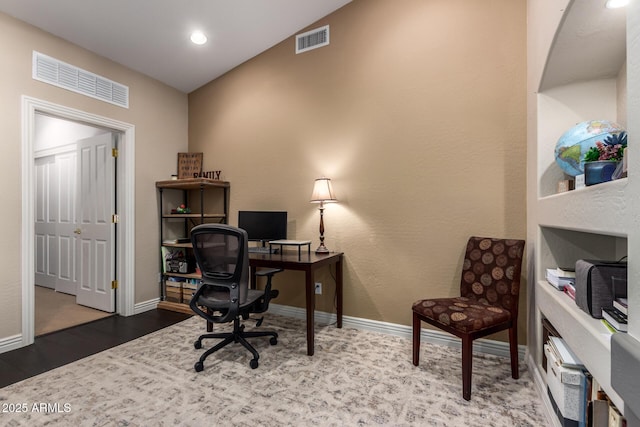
[152,36]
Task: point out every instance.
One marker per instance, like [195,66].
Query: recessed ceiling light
[614,4]
[198,37]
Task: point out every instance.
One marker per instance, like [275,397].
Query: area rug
[355,378]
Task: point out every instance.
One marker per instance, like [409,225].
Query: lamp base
[322,249]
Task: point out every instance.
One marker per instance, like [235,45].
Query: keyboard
[261,250]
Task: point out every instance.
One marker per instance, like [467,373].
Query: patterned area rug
[355,378]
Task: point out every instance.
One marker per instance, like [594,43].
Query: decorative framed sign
[189,165]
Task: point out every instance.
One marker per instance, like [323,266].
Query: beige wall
[158,112]
[416,110]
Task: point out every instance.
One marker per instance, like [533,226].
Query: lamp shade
[323,191]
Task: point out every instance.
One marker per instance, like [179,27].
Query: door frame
[125,181]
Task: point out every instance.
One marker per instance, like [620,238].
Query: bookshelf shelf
[184,275]
[587,336]
[177,245]
[602,209]
[194,216]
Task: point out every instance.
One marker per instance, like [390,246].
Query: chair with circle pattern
[488,302]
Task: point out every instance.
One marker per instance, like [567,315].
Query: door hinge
[115,219]
[114,284]
[114,152]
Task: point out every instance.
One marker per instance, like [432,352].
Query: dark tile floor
[59,348]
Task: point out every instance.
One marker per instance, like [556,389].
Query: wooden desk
[307,263]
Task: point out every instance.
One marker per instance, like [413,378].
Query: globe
[574,143]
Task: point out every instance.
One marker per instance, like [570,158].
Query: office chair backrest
[491,272]
[222,254]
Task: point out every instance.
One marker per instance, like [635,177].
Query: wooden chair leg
[513,347]
[467,359]
[416,339]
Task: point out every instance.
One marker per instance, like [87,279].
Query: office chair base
[238,336]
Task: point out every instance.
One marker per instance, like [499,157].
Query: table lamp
[322,193]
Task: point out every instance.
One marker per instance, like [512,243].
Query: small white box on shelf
[567,391]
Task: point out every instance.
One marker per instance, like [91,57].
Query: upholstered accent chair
[488,302]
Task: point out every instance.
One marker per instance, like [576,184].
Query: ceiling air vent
[312,39]
[50,70]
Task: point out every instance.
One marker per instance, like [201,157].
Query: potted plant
[601,161]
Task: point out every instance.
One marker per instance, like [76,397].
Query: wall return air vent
[312,39]
[50,70]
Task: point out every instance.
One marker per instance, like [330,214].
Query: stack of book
[621,304]
[601,412]
[563,354]
[616,316]
[561,277]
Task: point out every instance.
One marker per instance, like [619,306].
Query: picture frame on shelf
[189,165]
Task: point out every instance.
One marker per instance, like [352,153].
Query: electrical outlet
[318,288]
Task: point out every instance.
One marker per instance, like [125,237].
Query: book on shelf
[558,281]
[608,326]
[621,304]
[599,413]
[568,272]
[564,354]
[600,410]
[615,417]
[615,317]
[570,290]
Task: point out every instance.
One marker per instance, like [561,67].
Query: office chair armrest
[263,303]
[268,271]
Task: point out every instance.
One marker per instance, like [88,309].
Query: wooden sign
[189,165]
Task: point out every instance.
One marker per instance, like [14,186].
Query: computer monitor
[263,225]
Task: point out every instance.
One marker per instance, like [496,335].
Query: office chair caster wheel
[197,345]
[253,363]
[273,341]
[199,366]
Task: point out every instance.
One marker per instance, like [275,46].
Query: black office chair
[221,252]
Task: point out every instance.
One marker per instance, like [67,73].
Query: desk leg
[339,292]
[311,307]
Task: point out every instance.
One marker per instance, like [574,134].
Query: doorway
[124,200]
[74,232]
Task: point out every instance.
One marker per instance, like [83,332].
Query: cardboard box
[567,391]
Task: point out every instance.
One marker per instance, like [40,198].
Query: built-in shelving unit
[208,201]
[577,71]
[588,336]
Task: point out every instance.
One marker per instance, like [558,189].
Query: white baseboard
[141,307]
[497,348]
[486,346]
[11,343]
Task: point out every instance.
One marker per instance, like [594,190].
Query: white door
[55,222]
[94,230]
[46,268]
[66,209]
